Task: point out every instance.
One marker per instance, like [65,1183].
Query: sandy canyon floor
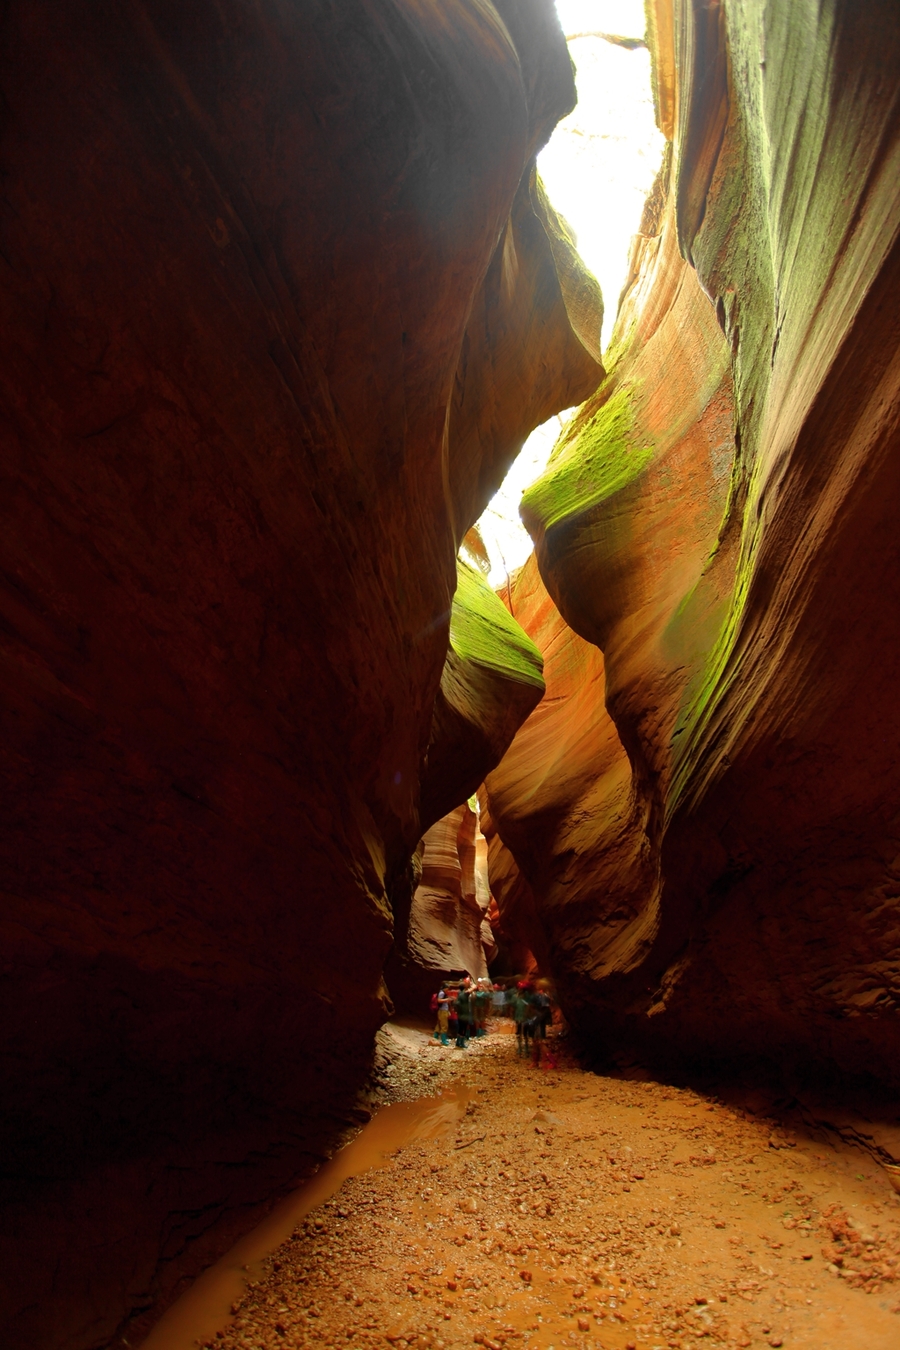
[549,1207]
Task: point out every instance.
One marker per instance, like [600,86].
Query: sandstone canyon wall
[448,929]
[561,811]
[281,297]
[490,683]
[720,522]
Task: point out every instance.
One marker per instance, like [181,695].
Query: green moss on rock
[483,630]
[591,463]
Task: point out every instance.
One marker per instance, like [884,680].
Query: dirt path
[566,1209]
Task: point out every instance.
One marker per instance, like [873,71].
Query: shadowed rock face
[720,521]
[243,248]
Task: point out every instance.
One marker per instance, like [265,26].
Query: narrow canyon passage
[563,1208]
[289,739]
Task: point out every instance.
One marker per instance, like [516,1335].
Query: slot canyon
[283,297]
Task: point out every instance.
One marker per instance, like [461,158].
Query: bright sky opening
[598,169]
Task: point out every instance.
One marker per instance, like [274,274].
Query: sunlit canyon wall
[706,850]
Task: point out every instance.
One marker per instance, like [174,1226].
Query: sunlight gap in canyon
[598,169]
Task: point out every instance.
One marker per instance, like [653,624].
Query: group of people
[463,1009]
[533,1012]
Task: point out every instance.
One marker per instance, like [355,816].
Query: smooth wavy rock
[490,683]
[561,815]
[451,901]
[721,522]
[264,273]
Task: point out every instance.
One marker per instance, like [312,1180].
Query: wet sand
[206,1306]
[560,1208]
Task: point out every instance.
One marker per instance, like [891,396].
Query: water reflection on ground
[206,1306]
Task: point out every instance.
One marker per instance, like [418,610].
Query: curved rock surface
[721,523]
[244,248]
[447,923]
[490,683]
[492,679]
[561,815]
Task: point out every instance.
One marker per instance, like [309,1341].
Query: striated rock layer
[720,522]
[448,930]
[281,297]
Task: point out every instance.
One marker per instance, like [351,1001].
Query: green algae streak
[595,461]
[483,630]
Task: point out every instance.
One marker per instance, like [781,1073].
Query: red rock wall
[560,809]
[451,900]
[721,524]
[514,914]
[483,897]
[786,790]
[241,247]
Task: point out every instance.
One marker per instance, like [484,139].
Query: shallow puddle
[206,1307]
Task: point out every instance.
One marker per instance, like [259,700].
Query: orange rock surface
[448,918]
[720,522]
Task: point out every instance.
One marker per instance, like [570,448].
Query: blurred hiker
[481,1003]
[540,1001]
[521,1012]
[464,1017]
[530,1030]
[443,1016]
[498,1001]
[452,1019]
